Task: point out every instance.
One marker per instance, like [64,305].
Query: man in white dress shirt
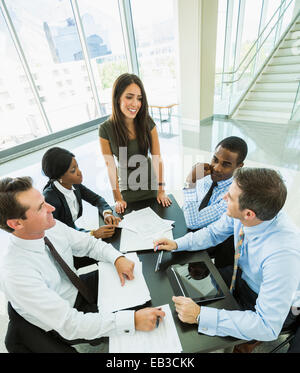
[44,306]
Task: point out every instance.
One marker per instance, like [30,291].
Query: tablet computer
[194,280]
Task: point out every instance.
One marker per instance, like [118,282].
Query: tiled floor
[270,145]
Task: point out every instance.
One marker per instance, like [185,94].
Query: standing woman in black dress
[130,135]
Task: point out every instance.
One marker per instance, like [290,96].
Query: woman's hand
[120,206]
[163,199]
[110,219]
[105,231]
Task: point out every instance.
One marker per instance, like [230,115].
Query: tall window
[20,119]
[154,26]
[102,28]
[49,37]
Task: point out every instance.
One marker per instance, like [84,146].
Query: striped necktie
[237,255]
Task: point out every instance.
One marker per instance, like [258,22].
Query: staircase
[271,97]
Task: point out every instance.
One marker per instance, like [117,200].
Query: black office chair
[24,337]
[290,332]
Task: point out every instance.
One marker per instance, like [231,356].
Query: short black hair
[236,145]
[10,208]
[56,162]
[263,191]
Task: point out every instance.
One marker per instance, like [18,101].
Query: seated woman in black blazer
[65,192]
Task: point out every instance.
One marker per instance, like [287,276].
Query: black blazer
[62,211]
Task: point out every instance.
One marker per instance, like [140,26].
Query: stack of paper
[141,228]
[114,297]
[163,339]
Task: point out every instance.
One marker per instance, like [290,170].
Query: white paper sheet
[163,339]
[145,221]
[141,228]
[132,241]
[114,297]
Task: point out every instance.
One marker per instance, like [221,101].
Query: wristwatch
[198,318]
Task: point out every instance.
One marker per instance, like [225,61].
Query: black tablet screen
[194,280]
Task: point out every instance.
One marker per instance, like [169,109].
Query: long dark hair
[55,163]
[141,121]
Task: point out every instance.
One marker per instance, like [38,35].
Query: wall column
[197,34]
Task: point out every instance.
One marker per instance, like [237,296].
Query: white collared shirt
[70,198]
[40,291]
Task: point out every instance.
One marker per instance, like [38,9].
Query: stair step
[285,60]
[277,86]
[296,27]
[271,96]
[279,77]
[289,68]
[253,118]
[286,52]
[290,43]
[264,113]
[268,105]
[295,33]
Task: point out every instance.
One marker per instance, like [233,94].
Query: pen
[158,261]
[157,321]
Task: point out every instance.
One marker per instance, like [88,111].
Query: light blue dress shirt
[216,207]
[270,261]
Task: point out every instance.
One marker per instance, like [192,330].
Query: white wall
[197,34]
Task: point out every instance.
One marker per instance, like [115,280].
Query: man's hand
[199,170]
[187,309]
[145,319]
[164,244]
[105,231]
[124,268]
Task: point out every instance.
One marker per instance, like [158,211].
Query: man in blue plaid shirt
[205,187]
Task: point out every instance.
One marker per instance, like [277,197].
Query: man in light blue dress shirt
[229,155]
[268,281]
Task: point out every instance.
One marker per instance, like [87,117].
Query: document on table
[114,297]
[131,241]
[141,228]
[145,221]
[163,339]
